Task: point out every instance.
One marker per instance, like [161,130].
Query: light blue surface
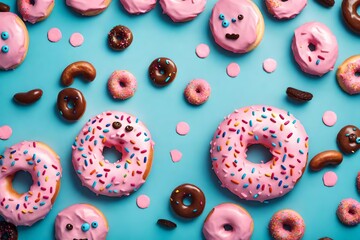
[161,109]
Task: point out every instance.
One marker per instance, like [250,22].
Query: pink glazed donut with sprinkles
[197,91]
[275,129]
[281,9]
[315,48]
[122,85]
[35,11]
[43,164]
[348,212]
[130,137]
[294,222]
[182,10]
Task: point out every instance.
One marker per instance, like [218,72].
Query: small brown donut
[348,139]
[162,71]
[74,97]
[351,17]
[8,231]
[120,37]
[4,7]
[330,157]
[192,192]
[29,97]
[81,68]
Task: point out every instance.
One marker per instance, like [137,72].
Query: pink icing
[329,118]
[323,58]
[182,128]
[269,65]
[273,128]
[228,214]
[86,5]
[143,201]
[197,91]
[45,169]
[202,50]
[246,28]
[330,179]
[98,174]
[5,132]
[122,84]
[138,6]
[233,70]
[176,155]
[16,42]
[285,9]
[76,39]
[182,10]
[78,215]
[349,81]
[54,35]
[33,13]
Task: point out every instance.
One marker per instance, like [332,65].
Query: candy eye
[233,20]
[116,125]
[358,140]
[225,23]
[94,224]
[221,16]
[69,227]
[128,128]
[4,35]
[240,17]
[5,49]
[85,227]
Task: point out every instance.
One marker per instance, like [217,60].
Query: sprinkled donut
[130,137]
[228,221]
[120,38]
[162,71]
[315,48]
[88,8]
[8,231]
[347,75]
[287,225]
[138,6]
[44,166]
[197,91]
[182,10]
[275,129]
[35,11]
[348,212]
[14,41]
[122,84]
[285,9]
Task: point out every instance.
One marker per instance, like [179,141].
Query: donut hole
[187,200]
[228,228]
[22,182]
[120,36]
[111,154]
[287,227]
[70,104]
[312,47]
[258,153]
[357,73]
[352,211]
[161,71]
[122,84]
[284,0]
[198,90]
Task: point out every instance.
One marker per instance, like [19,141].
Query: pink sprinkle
[233,70]
[202,50]
[176,155]
[76,39]
[54,35]
[5,132]
[329,118]
[330,178]
[269,65]
[182,128]
[143,201]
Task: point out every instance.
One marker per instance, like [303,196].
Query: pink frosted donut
[88,8]
[347,75]
[81,221]
[276,130]
[35,10]
[138,6]
[14,41]
[122,84]
[44,166]
[281,9]
[348,212]
[287,225]
[315,48]
[228,221]
[182,10]
[130,137]
[197,91]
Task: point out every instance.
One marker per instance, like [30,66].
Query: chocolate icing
[348,139]
[351,17]
[166,223]
[120,37]
[28,97]
[8,231]
[162,71]
[4,7]
[330,157]
[81,68]
[74,96]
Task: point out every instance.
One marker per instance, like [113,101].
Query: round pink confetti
[233,70]
[5,132]
[330,178]
[182,128]
[329,118]
[202,50]
[143,201]
[76,39]
[269,65]
[176,155]
[54,35]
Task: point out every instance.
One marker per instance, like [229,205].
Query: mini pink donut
[281,9]
[138,6]
[182,10]
[287,225]
[358,182]
[348,212]
[35,11]
[197,91]
[347,75]
[130,137]
[122,84]
[315,48]
[275,129]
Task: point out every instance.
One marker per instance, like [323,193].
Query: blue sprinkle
[78,171]
[17,206]
[301,151]
[45,166]
[116,191]
[106,130]
[58,174]
[1,162]
[26,151]
[38,173]
[26,198]
[145,159]
[250,123]
[84,155]
[7,206]
[256,137]
[243,176]
[35,207]
[273,144]
[245,185]
[167,79]
[280,183]
[12,163]
[94,184]
[127,150]
[238,131]
[99,175]
[87,137]
[229,148]
[30,162]
[286,186]
[218,148]
[256,195]
[82,141]
[126,165]
[101,136]
[317,62]
[108,186]
[13,151]
[280,144]
[132,155]
[42,203]
[293,122]
[276,178]
[214,159]
[95,142]
[283,167]
[147,139]
[86,163]
[298,140]
[232,174]
[118,166]
[80,148]
[34,156]
[265,128]
[284,157]
[263,116]
[252,170]
[258,186]
[38,183]
[273,136]
[107,125]
[224,134]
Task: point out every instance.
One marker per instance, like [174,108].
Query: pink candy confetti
[143,201]
[202,50]
[269,65]
[182,128]
[329,118]
[76,39]
[233,70]
[330,178]
[54,35]
[176,155]
[5,132]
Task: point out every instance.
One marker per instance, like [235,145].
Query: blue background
[161,109]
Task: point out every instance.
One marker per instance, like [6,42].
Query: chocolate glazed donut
[68,97]
[120,37]
[348,139]
[8,231]
[192,192]
[351,17]
[162,71]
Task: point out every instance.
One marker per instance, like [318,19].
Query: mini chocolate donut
[71,104]
[29,97]
[8,231]
[81,68]
[351,17]
[120,37]
[348,139]
[4,7]
[162,71]
[196,197]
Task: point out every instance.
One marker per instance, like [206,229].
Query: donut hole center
[352,211]
[284,0]
[120,36]
[22,182]
[357,73]
[187,200]
[111,154]
[198,90]
[5,236]
[287,227]
[70,104]
[312,47]
[228,228]
[161,71]
[258,153]
[122,84]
